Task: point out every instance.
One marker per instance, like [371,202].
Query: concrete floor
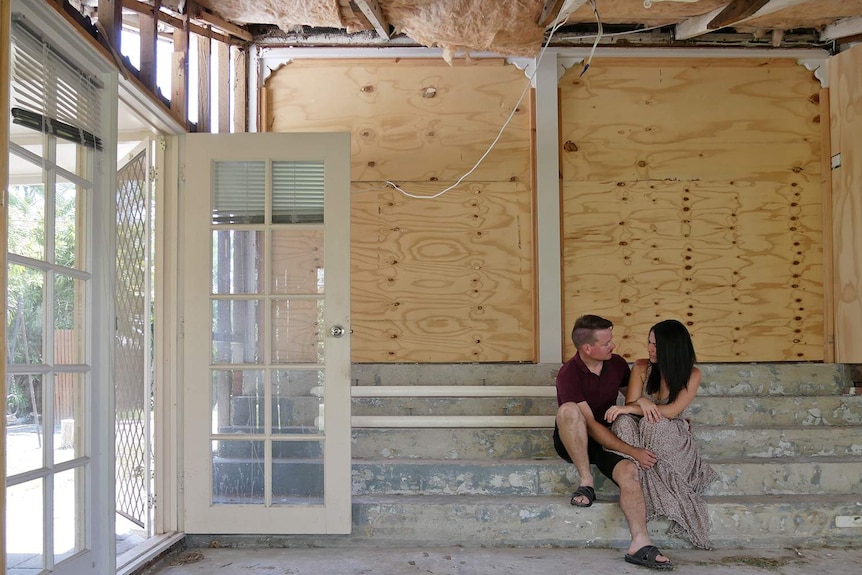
[462,561]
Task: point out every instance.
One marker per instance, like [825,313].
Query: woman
[655,417]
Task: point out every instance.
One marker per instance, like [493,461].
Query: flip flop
[646,557]
[583,491]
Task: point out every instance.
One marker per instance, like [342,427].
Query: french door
[265,333]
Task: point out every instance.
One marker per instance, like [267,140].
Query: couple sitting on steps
[646,446]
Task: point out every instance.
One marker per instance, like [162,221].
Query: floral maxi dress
[674,486]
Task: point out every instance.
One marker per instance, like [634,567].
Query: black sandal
[583,491]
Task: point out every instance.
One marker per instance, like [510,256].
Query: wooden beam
[550,11]
[842,29]
[174,22]
[149,32]
[699,25]
[232,29]
[204,84]
[223,87]
[828,227]
[180,74]
[371,10]
[240,97]
[111,21]
[695,26]
[734,12]
[555,11]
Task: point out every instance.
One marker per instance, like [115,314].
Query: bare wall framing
[448,279]
[692,190]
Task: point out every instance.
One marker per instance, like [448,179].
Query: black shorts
[605,460]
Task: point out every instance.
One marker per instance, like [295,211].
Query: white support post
[548,210]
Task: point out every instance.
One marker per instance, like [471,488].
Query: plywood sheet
[410,120]
[448,279]
[688,119]
[443,280]
[728,242]
[845,81]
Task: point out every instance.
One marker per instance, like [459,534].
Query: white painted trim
[453,391]
[548,228]
[842,29]
[135,559]
[453,421]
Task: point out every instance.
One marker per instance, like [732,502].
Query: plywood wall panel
[692,191]
[442,280]
[448,279]
[689,119]
[410,120]
[845,81]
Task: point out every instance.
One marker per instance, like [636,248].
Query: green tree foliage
[26,284]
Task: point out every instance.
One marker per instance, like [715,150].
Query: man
[587,386]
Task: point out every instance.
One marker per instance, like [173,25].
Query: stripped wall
[445,279]
[692,190]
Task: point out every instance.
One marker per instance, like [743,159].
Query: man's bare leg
[632,503]
[572,428]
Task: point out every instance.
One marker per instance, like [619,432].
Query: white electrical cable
[499,134]
[598,37]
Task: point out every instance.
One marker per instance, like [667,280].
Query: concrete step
[751,521]
[718,379]
[535,443]
[707,410]
[740,476]
[761,521]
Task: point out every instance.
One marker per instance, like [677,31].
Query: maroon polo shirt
[575,382]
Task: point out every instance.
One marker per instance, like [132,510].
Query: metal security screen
[133,383]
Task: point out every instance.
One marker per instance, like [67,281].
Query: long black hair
[675,358]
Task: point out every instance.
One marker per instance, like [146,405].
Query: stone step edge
[456,390]
[534,422]
[848,499]
[742,460]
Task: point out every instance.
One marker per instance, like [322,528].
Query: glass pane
[239,192]
[71,157]
[65,221]
[297,331]
[23,434]
[297,192]
[27,220]
[297,395]
[237,401]
[25,314]
[297,472]
[297,261]
[68,513]
[24,538]
[236,333]
[237,261]
[68,320]
[237,472]
[69,412]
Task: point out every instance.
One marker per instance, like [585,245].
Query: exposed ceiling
[519,27]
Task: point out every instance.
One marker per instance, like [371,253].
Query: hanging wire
[556,26]
[598,37]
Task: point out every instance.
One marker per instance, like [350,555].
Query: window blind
[239,192]
[50,93]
